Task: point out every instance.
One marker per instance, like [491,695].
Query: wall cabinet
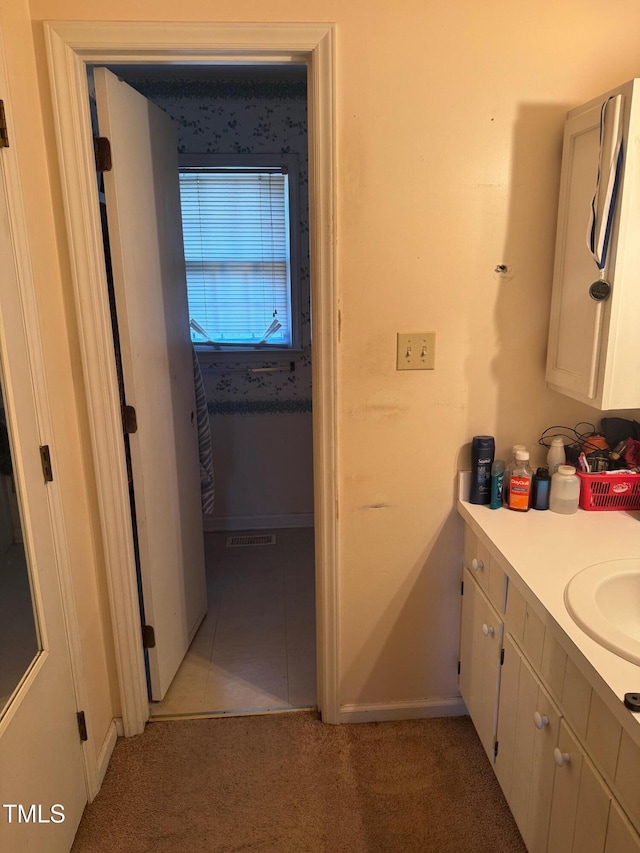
[592,354]
[562,759]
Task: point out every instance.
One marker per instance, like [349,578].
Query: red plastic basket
[609,491]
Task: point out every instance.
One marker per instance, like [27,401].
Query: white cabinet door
[581,801]
[591,355]
[576,319]
[480,649]
[528,729]
[621,836]
[507,716]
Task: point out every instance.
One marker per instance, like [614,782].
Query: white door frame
[71,46]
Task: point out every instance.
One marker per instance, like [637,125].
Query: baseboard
[412,710]
[257,522]
[119,726]
[106,750]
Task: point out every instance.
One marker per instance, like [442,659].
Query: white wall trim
[86,256]
[413,710]
[324,382]
[106,751]
[70,47]
[257,522]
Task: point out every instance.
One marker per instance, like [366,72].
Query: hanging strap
[603,204]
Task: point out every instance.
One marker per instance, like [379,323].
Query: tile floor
[256,649]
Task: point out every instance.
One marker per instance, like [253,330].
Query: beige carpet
[288,783]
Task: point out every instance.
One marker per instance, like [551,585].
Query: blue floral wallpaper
[247,115]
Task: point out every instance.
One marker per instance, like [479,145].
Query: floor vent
[253,539]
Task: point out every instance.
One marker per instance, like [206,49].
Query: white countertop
[546,550]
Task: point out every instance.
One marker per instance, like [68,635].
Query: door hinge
[461,587]
[148,637]
[45,458]
[102,151]
[129,420]
[458,667]
[501,656]
[495,749]
[4,133]
[82,726]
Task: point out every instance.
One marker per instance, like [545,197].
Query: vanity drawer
[554,664]
[603,737]
[486,570]
[515,612]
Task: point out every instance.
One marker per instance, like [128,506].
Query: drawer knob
[541,720]
[561,758]
[477,565]
[488,630]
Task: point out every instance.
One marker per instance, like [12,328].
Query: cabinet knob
[477,565]
[488,630]
[541,720]
[561,758]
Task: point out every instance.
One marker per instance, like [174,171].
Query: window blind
[237,255]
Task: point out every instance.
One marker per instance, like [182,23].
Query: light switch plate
[416,351]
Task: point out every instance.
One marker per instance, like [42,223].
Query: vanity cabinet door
[528,730]
[621,836]
[581,802]
[480,647]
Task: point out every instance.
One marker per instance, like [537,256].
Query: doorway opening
[255,650]
[71,46]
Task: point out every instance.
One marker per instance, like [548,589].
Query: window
[240,226]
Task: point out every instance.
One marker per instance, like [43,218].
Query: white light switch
[416,351]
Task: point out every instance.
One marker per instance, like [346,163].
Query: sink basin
[604,600]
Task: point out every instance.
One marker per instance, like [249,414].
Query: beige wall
[449,122]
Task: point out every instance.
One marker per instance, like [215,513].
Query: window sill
[208,357]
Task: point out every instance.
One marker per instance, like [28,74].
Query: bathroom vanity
[545,697]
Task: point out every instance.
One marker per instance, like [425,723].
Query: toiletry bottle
[541,489]
[482,452]
[497,483]
[556,455]
[520,483]
[509,471]
[565,490]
